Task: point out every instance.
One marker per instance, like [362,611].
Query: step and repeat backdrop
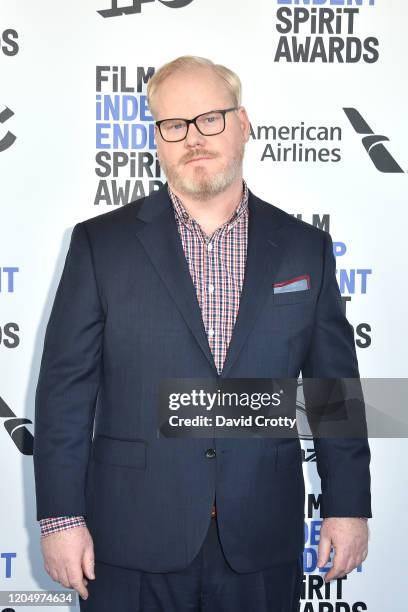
[325,87]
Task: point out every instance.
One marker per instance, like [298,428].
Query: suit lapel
[264,256]
[162,243]
[161,240]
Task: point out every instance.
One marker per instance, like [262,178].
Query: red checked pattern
[217,267]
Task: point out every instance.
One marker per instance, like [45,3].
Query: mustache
[196,155]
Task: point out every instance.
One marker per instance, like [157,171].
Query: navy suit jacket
[126,316]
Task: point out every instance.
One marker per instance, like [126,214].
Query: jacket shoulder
[117,217]
[280,218]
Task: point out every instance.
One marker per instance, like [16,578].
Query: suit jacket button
[210,453]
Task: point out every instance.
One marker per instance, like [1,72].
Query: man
[185,284]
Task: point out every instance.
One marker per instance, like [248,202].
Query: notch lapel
[162,243]
[161,240]
[265,251]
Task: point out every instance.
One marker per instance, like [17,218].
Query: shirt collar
[183,216]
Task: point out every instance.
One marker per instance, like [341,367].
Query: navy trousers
[208,584]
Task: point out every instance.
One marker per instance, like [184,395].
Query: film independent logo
[135,6]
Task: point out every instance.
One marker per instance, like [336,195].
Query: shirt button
[210,288]
[211,333]
[210,453]
[210,247]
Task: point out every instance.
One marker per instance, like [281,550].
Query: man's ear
[244,122]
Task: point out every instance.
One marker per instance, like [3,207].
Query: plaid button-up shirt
[217,267]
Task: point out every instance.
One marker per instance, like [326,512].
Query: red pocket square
[298,283]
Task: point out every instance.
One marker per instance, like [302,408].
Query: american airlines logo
[373,143]
[136,7]
[17,430]
[9,138]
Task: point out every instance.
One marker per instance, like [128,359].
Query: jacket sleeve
[343,462]
[68,384]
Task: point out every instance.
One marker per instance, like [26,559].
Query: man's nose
[194,137]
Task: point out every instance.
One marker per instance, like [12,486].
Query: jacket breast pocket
[292,297]
[120,452]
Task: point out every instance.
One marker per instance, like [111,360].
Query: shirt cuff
[59,523]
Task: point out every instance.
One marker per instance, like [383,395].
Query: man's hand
[69,558]
[349,536]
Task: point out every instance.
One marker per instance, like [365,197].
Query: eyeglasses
[208,124]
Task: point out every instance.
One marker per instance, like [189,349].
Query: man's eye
[176,126]
[211,118]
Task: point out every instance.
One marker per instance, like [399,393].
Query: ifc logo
[136,7]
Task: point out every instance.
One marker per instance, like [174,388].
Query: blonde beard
[207,186]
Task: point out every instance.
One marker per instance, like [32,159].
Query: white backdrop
[49,54]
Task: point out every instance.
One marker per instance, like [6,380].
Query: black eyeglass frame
[223,111]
